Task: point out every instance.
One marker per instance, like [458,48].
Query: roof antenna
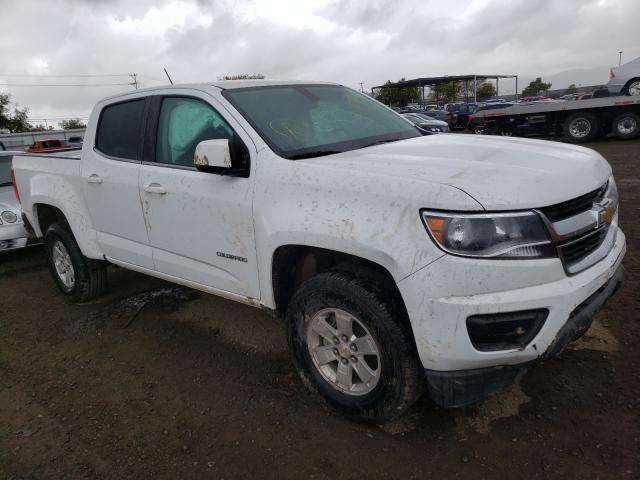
[167,73]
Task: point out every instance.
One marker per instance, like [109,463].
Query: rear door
[200,224]
[110,170]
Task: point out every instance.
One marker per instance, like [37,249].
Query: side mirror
[215,156]
[212,156]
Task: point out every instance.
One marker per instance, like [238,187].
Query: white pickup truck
[398,262]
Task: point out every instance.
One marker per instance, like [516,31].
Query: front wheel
[77,277]
[633,87]
[349,344]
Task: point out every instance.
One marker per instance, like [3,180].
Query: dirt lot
[200,387]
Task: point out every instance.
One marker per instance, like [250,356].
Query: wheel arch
[46,213]
[292,264]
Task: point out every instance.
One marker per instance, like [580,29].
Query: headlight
[496,235]
[9,217]
[610,197]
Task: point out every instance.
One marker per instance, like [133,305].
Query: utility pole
[134,77]
[620,59]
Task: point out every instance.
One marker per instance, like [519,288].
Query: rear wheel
[77,277]
[581,127]
[626,126]
[349,344]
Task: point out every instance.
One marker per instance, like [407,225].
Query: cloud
[336,40]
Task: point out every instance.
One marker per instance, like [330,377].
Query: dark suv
[461,112]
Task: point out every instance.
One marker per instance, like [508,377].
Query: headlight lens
[508,235]
[9,217]
[611,198]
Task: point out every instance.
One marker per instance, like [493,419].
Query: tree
[72,124]
[535,88]
[395,96]
[16,122]
[446,92]
[486,90]
[571,89]
[243,76]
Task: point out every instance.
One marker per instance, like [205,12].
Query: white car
[397,262]
[625,80]
[12,232]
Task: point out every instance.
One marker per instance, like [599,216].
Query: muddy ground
[199,387]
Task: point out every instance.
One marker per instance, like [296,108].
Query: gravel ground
[200,387]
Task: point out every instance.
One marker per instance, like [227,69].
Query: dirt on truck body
[158,381]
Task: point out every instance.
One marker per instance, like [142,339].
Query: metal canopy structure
[433,81]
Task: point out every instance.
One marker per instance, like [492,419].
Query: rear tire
[581,127]
[362,330]
[77,277]
[626,126]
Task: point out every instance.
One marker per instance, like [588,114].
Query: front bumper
[13,236]
[441,297]
[463,387]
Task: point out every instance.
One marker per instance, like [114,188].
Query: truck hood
[500,173]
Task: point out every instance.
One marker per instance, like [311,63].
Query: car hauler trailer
[579,121]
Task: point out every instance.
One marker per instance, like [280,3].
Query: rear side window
[120,129]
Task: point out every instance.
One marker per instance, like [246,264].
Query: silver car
[625,79]
[12,232]
[426,124]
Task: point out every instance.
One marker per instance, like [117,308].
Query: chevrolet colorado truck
[399,263]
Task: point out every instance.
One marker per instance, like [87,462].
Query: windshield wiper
[380,142]
[317,153]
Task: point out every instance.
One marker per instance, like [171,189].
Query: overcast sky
[336,40]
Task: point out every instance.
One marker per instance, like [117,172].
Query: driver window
[185,122]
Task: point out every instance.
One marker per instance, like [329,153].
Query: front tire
[350,345]
[77,277]
[633,87]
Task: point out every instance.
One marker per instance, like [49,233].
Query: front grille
[567,209]
[577,249]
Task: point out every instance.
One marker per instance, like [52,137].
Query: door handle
[94,178]
[154,188]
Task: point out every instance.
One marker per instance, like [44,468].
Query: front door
[200,225]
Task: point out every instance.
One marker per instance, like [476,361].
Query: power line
[64,84]
[67,75]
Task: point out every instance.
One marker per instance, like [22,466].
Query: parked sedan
[441,115]
[12,232]
[426,124]
[625,80]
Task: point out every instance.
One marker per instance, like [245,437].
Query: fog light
[505,331]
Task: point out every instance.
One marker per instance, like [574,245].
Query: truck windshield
[305,121]
[5,176]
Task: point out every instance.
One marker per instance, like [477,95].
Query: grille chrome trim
[570,208]
[582,229]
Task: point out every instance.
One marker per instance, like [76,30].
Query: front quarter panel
[372,216]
